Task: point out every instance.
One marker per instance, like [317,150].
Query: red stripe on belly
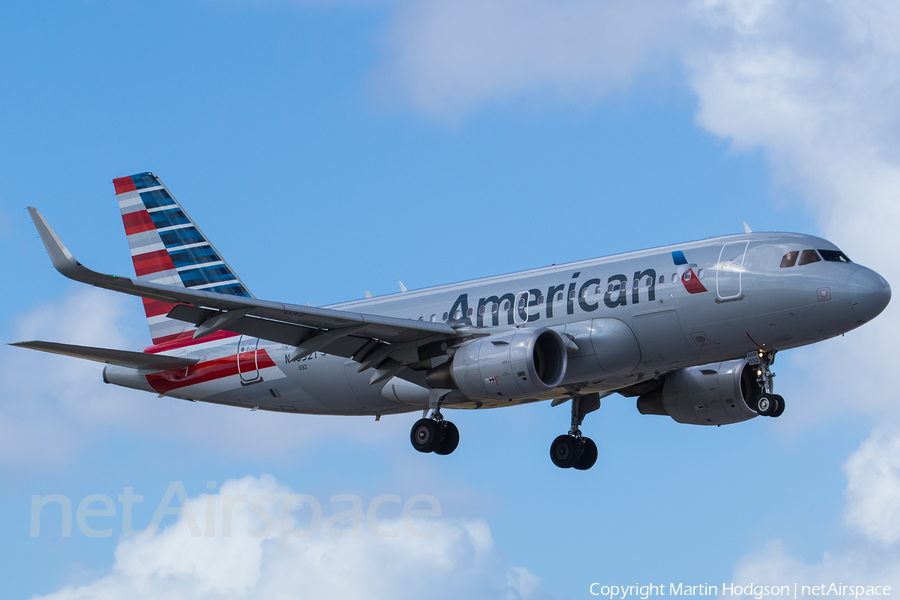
[227,366]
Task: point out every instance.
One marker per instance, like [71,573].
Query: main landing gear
[434,434]
[768,403]
[573,450]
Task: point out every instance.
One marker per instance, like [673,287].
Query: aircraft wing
[363,337]
[135,360]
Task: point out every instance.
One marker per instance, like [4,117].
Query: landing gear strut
[573,450]
[768,403]
[434,434]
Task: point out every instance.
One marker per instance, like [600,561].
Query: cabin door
[247,364]
[729,270]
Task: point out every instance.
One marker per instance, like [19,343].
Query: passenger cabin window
[662,279]
[834,256]
[446,316]
[808,256]
[789,259]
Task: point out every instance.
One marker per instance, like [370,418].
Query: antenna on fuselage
[747,228]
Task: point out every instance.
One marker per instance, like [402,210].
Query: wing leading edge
[354,335]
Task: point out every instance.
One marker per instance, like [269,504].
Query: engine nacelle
[517,364]
[715,394]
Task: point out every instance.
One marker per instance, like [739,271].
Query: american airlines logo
[529,306]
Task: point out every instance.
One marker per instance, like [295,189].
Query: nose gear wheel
[768,403]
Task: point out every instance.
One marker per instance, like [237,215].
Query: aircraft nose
[869,293]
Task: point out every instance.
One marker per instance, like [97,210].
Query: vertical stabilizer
[168,248]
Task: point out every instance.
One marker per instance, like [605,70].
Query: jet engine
[714,394]
[517,364]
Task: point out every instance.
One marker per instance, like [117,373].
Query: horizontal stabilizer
[124,358]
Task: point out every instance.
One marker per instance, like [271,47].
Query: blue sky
[329,148]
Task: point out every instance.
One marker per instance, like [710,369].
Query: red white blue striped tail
[168,248]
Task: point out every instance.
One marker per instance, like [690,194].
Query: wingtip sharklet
[62,259]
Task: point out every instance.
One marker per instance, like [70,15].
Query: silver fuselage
[632,317]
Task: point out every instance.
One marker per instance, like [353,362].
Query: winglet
[62,259]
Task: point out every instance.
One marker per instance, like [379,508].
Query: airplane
[690,330]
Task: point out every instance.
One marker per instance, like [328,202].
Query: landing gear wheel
[766,405]
[780,409]
[449,441]
[588,455]
[565,451]
[425,435]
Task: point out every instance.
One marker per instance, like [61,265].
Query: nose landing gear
[768,403]
[573,450]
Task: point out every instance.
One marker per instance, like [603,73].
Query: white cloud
[869,552]
[54,405]
[449,58]
[457,559]
[49,400]
[873,487]
[816,86]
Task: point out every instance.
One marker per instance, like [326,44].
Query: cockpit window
[808,256]
[834,256]
[789,259]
